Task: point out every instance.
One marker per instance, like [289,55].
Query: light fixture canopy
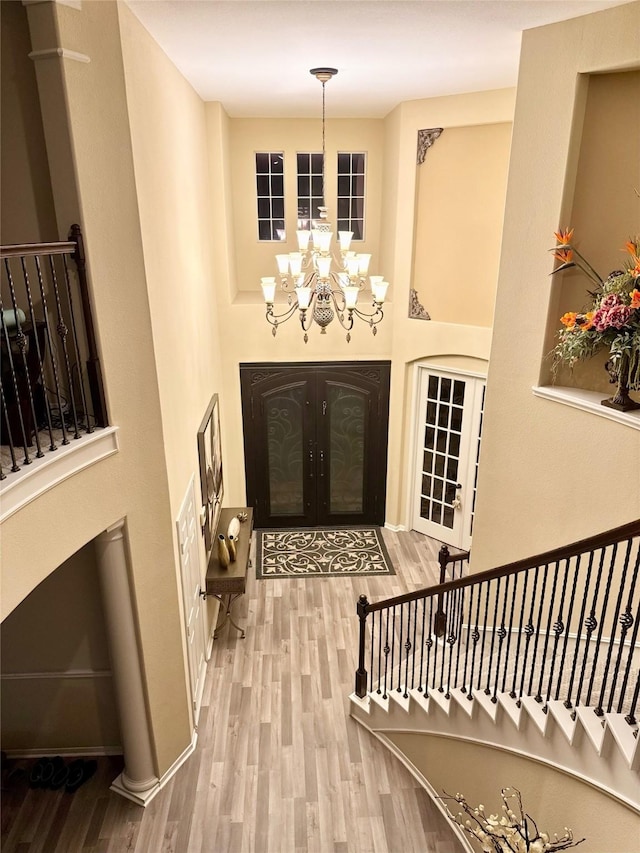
[321,284]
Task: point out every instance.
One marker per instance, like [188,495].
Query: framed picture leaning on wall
[210,457]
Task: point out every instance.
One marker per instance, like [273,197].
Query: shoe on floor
[79,772]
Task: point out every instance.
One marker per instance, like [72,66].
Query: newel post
[440,620]
[361,672]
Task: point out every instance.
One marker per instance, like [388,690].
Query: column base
[141,798]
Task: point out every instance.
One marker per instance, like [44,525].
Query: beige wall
[255,258]
[57,692]
[554,799]
[26,204]
[461,188]
[606,203]
[549,474]
[93,177]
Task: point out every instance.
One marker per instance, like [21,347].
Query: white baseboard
[395,528]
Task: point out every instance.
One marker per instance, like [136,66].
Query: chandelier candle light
[322,284]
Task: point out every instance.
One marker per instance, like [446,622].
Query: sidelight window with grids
[351,193]
[270,195]
[310,189]
[441,460]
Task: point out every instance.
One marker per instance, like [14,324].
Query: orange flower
[564,255]
[569,319]
[585,321]
[635,298]
[632,247]
[563,236]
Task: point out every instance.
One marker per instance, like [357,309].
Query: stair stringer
[607,770]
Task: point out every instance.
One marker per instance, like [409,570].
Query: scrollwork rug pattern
[318,551]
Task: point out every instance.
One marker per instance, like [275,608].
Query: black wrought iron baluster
[361,673]
[14,462]
[627,620]
[559,629]
[379,688]
[429,644]
[386,651]
[41,355]
[471,590]
[513,693]
[400,647]
[576,571]
[407,648]
[590,623]
[581,622]
[614,623]
[502,633]
[547,632]
[52,354]
[422,644]
[537,631]
[603,612]
[496,597]
[475,636]
[462,594]
[631,716]
[63,331]
[79,360]
[503,686]
[372,641]
[445,635]
[529,630]
[414,645]
[21,342]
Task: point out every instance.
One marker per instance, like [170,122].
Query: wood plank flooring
[280,767]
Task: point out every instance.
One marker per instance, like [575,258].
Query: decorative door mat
[310,552]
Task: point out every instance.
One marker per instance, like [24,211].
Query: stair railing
[561,626]
[51,388]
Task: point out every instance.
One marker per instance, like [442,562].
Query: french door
[315,438]
[450,410]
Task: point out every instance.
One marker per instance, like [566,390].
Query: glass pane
[357,226]
[452,469]
[262,184]
[277,185]
[432,392]
[426,486]
[456,419]
[443,416]
[264,208]
[316,164]
[458,393]
[449,492]
[357,164]
[262,163]
[264,229]
[303,185]
[277,164]
[278,208]
[445,390]
[439,466]
[425,508]
[285,457]
[429,437]
[441,444]
[303,163]
[343,211]
[316,187]
[344,164]
[431,413]
[427,462]
[454,444]
[347,409]
[344,185]
[447,518]
[437,489]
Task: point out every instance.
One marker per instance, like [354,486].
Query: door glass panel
[441,456]
[347,409]
[283,413]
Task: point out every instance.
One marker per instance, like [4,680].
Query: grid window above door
[270,195]
[351,193]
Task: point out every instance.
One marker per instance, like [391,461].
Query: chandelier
[322,283]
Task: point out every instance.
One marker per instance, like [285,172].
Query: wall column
[138,781]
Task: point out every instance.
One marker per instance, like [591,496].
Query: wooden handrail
[28,250]
[566,552]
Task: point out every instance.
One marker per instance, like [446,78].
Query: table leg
[227,615]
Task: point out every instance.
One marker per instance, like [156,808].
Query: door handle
[311,462]
[322,463]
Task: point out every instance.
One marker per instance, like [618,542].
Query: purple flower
[613,315]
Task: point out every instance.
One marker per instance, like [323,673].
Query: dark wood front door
[315,439]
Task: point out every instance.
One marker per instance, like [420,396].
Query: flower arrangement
[513,832]
[612,322]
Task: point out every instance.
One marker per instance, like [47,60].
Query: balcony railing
[561,627]
[51,390]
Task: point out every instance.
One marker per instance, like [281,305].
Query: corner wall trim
[73,4]
[62,52]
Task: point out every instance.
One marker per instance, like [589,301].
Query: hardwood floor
[280,767]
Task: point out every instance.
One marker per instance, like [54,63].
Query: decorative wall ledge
[588,401]
[24,486]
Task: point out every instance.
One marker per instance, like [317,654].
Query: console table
[228,584]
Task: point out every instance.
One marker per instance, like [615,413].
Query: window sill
[588,401]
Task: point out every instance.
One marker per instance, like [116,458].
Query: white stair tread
[398,696]
[441,699]
[420,699]
[484,701]
[512,708]
[563,716]
[467,705]
[364,704]
[594,727]
[379,699]
[534,710]
[624,737]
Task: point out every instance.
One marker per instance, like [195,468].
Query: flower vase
[233,548]
[621,400]
[223,552]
